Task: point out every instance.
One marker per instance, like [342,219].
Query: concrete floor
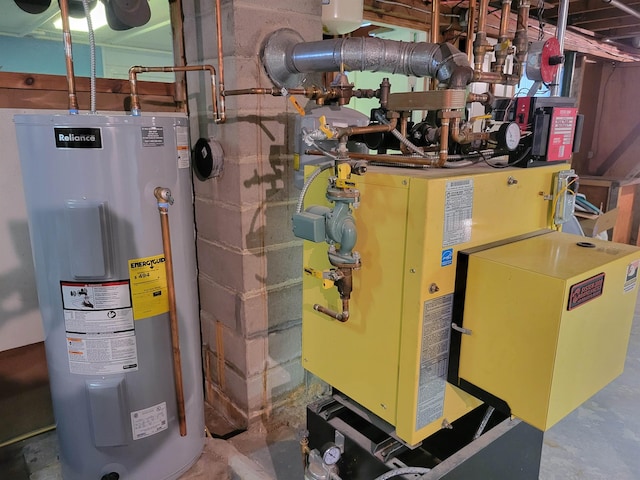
[599,440]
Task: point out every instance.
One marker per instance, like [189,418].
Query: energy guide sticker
[148,279]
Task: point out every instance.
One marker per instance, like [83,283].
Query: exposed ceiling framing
[593,26]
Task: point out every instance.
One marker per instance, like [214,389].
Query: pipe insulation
[286,57]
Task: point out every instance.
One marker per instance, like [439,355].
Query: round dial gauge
[331,454]
[509,135]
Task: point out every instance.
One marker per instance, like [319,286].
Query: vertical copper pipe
[471,20]
[435,32]
[444,142]
[521,39]
[163,196]
[504,20]
[502,49]
[223,116]
[404,121]
[435,21]
[482,16]
[68,53]
[480,44]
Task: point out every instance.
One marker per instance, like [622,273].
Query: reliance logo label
[78,137]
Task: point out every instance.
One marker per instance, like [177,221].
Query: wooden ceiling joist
[418,18]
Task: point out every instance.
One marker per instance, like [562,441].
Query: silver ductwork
[287,58]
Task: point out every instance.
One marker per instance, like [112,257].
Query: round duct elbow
[287,58]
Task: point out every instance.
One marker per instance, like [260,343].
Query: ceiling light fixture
[98,20]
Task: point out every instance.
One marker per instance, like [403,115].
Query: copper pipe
[304,450]
[223,112]
[444,142]
[163,197]
[466,136]
[502,49]
[403,131]
[521,39]
[435,21]
[483,98]
[276,92]
[385,90]
[496,77]
[341,317]
[471,20]
[482,15]
[435,34]
[348,131]
[504,20]
[413,160]
[480,44]
[68,54]
[219,116]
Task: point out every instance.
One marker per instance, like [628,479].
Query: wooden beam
[623,32]
[393,14]
[605,25]
[26,90]
[587,6]
[587,19]
[413,14]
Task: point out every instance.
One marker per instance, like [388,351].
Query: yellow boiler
[391,356]
[549,319]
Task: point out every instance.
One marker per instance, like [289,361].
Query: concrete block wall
[249,262]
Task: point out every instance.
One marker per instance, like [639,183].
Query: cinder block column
[249,262]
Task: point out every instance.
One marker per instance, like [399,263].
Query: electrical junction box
[549,319]
[391,356]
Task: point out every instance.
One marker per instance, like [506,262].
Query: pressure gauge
[509,135]
[331,454]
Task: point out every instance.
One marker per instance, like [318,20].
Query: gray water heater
[95,231]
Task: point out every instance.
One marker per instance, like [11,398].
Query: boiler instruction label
[148,278]
[152,136]
[100,335]
[182,144]
[434,355]
[149,421]
[458,209]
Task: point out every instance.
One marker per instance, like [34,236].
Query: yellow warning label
[148,278]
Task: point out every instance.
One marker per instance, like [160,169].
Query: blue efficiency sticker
[447,257]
